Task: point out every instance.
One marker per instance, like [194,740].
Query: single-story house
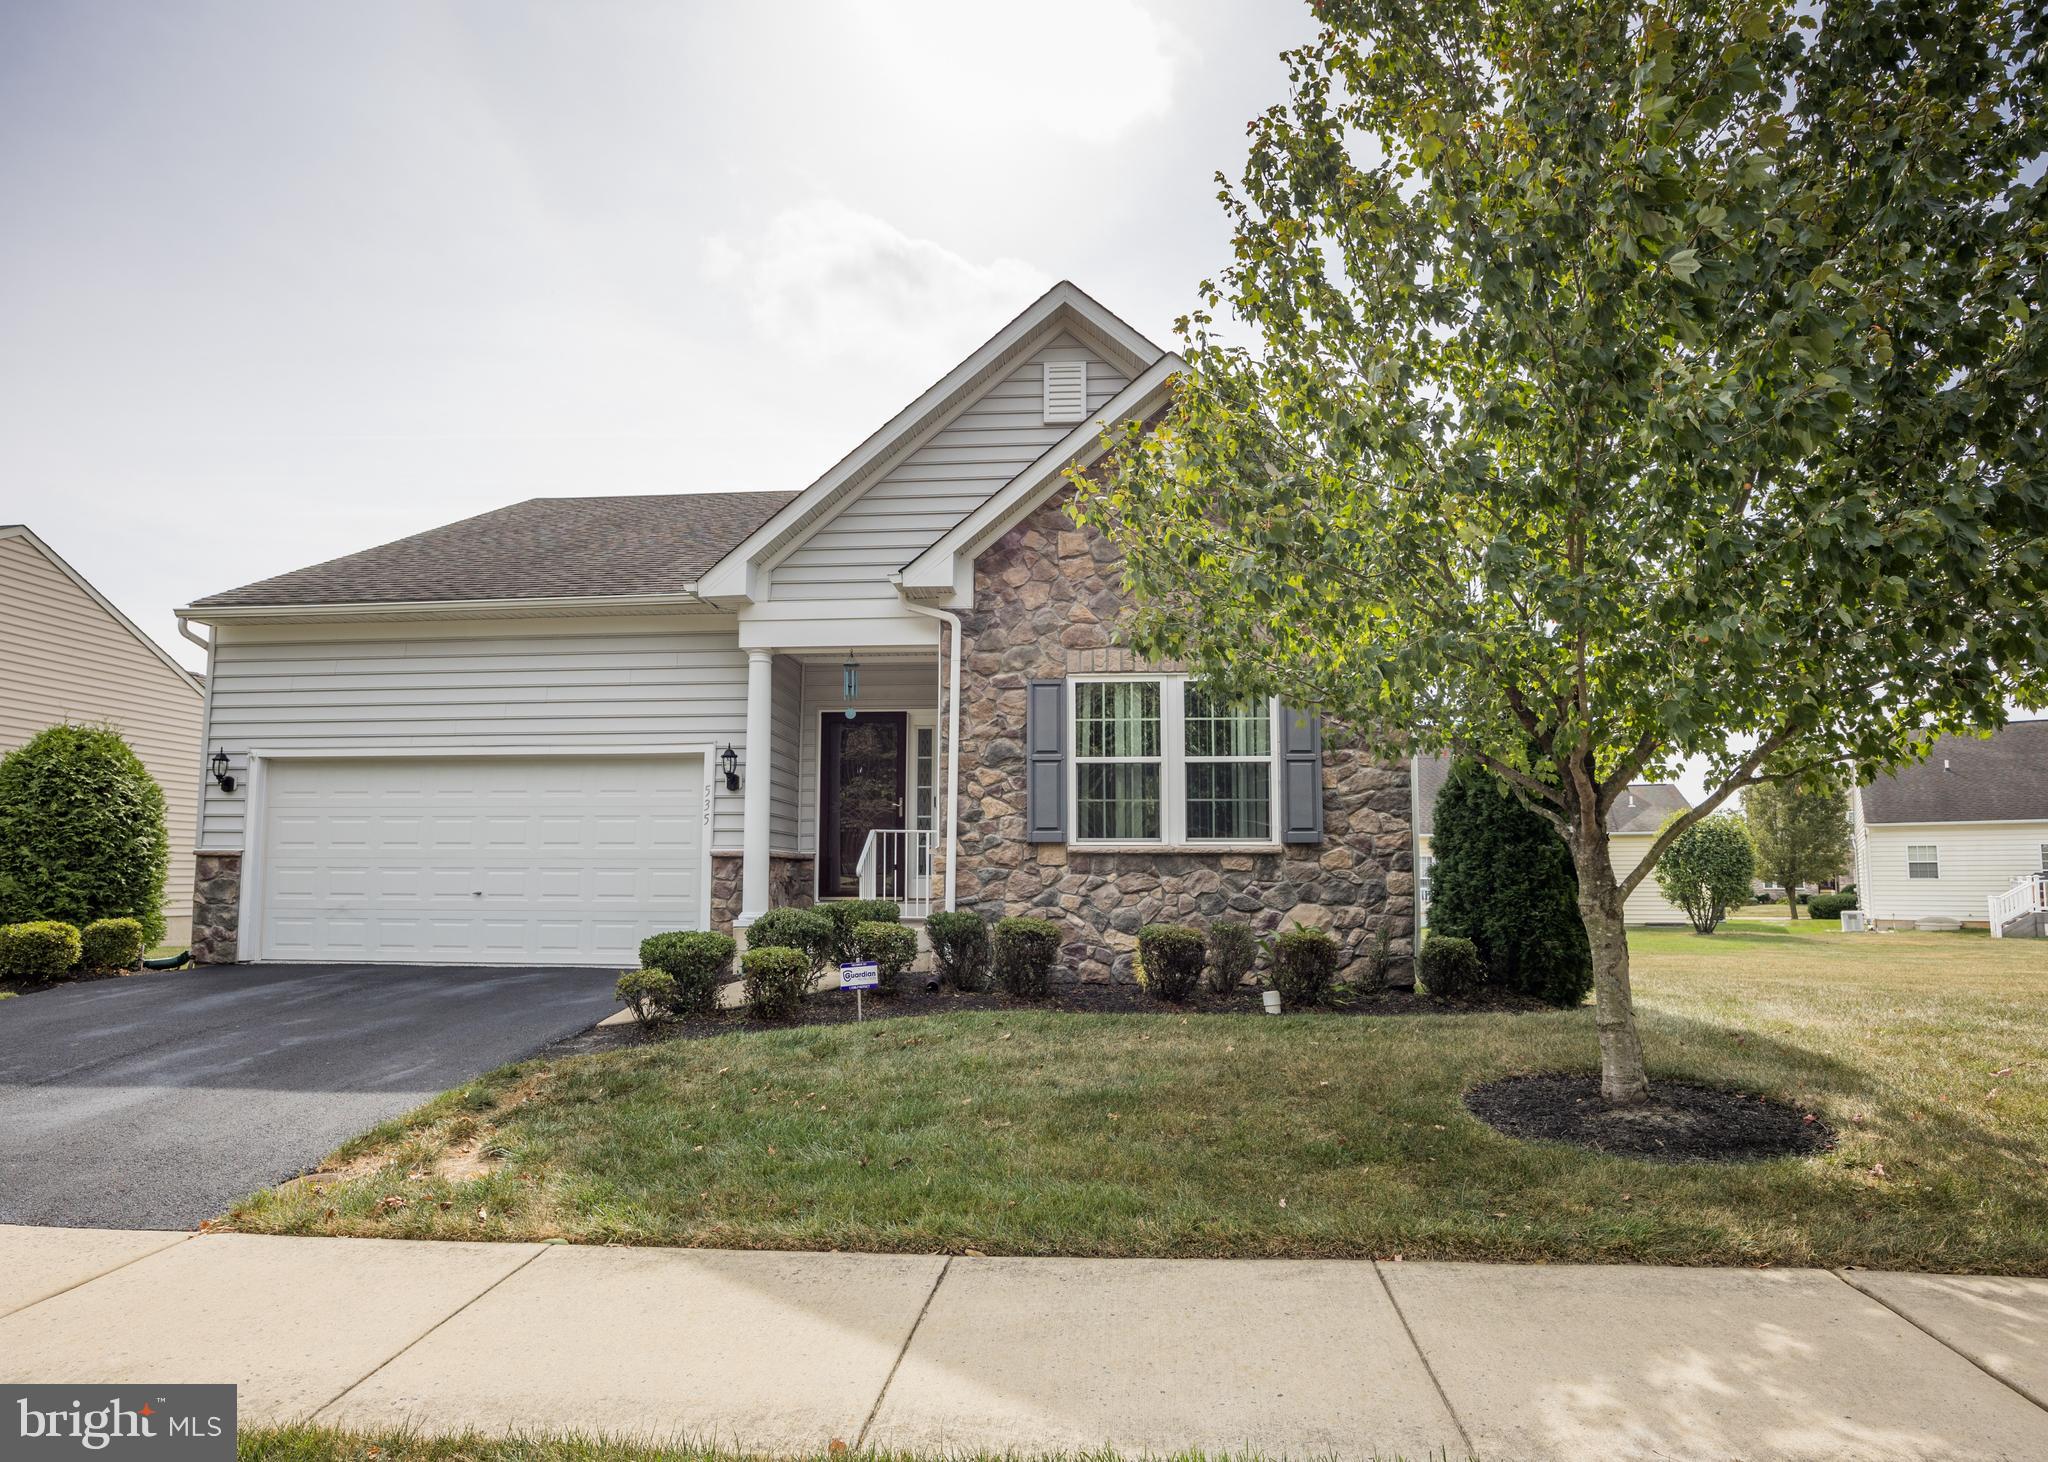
[1940,839]
[72,656]
[542,733]
[1632,825]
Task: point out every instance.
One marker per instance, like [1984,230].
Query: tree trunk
[1623,1081]
[1792,903]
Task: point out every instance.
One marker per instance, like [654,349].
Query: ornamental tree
[1611,384]
[1706,868]
[1801,831]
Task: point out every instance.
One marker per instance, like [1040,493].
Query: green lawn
[1308,1135]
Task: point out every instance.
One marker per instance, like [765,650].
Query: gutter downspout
[947,617]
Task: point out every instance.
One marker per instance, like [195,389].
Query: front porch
[843,772]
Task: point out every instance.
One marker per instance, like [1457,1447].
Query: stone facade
[790,881]
[216,908]
[1046,605]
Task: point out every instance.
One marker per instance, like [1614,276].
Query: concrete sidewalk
[787,1352]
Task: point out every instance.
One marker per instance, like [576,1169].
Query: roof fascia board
[28,535]
[935,570]
[442,608]
[735,575]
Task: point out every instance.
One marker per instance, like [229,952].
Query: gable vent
[1066,390]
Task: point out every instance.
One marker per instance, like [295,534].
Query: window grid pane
[1230,800]
[1223,728]
[1117,799]
[1116,718]
[1923,860]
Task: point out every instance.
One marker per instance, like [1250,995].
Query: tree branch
[1744,776]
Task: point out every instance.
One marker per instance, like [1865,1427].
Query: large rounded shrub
[82,833]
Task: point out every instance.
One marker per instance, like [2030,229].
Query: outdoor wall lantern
[849,683]
[729,763]
[221,779]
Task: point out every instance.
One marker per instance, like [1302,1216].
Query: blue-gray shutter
[1301,776]
[1045,762]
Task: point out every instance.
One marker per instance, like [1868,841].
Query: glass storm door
[861,790]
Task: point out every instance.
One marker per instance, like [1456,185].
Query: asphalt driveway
[155,1101]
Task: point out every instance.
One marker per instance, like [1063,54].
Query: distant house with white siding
[67,654]
[1936,840]
[1632,825]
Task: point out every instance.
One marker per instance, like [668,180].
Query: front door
[861,789]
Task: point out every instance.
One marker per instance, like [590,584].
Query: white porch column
[759,757]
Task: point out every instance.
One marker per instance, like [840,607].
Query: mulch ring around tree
[836,1007]
[1682,1122]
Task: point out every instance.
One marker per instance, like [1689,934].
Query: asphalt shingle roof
[544,548]
[1969,779]
[1641,809]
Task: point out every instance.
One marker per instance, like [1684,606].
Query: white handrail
[2028,895]
[896,864]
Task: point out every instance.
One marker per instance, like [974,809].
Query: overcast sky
[281,279]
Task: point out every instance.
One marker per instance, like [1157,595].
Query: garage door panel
[510,860]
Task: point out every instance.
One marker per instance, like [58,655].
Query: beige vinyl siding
[1646,905]
[68,659]
[649,681]
[907,508]
[1975,860]
[885,685]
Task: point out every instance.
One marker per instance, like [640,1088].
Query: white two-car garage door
[479,859]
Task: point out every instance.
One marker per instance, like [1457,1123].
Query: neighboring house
[1938,839]
[72,656]
[1632,825]
[507,740]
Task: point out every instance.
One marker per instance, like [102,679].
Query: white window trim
[1173,774]
[1933,862]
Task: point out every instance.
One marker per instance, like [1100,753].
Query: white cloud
[1086,69]
[824,279]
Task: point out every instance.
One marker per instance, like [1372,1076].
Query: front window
[1157,761]
[1119,760]
[1229,770]
[1922,861]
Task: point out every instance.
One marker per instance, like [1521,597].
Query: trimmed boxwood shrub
[1831,905]
[110,944]
[698,960]
[805,930]
[1025,953]
[1233,950]
[959,949]
[1304,965]
[891,946]
[40,949]
[1171,957]
[846,915]
[82,832]
[1451,967]
[647,993]
[778,980]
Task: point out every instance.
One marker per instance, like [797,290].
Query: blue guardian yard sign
[858,975]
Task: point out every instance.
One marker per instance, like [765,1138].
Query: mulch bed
[31,987]
[836,1007]
[1682,1122]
